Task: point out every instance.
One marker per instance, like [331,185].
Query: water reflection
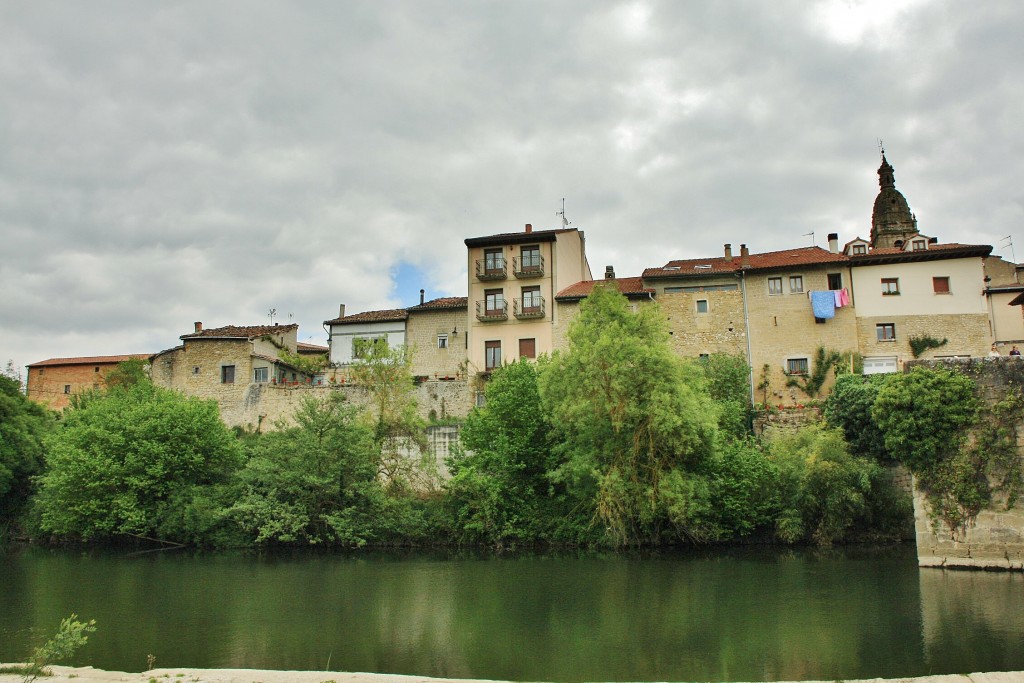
[724,615]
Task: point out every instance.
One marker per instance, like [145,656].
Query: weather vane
[562,213]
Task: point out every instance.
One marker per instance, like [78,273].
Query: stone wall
[967,335]
[786,420]
[996,539]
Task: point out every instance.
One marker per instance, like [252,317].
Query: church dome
[891,219]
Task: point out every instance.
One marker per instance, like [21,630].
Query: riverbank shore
[87,674]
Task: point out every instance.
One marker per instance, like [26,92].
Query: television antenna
[1009,243]
[273,312]
[811,235]
[562,213]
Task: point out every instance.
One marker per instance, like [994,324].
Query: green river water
[721,615]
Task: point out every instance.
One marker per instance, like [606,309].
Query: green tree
[627,412]
[129,461]
[128,373]
[315,482]
[849,407]
[499,487]
[923,415]
[728,383]
[23,428]
[824,490]
[385,374]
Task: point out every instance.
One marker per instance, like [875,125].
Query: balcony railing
[528,267]
[496,311]
[534,309]
[491,269]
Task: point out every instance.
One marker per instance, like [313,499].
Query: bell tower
[891,219]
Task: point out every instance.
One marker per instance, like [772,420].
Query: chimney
[609,272]
[421,297]
[199,326]
[744,256]
[341,311]
[728,253]
[529,227]
[833,242]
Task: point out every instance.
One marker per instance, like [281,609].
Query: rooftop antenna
[562,213]
[1009,243]
[273,312]
[811,235]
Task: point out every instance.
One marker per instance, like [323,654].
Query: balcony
[491,269]
[528,267]
[496,311]
[535,309]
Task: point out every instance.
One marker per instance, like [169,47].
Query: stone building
[53,382]
[437,337]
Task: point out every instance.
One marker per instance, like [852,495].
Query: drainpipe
[746,333]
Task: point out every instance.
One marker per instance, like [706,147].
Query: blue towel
[823,304]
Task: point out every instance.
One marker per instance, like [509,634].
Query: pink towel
[845,296]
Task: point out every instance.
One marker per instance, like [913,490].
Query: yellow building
[513,278]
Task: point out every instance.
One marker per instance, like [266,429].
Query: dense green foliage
[727,378]
[500,491]
[825,361]
[129,460]
[849,408]
[627,413]
[923,414]
[23,427]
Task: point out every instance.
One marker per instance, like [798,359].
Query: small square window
[796,366]
[835,281]
[227,374]
[442,341]
[67,388]
[940,285]
[96,369]
[890,286]
[195,369]
[774,285]
[481,399]
[886,332]
[796,284]
[918,245]
[859,249]
[260,374]
[702,305]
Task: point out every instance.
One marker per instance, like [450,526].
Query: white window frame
[706,307]
[796,284]
[260,375]
[882,328]
[442,340]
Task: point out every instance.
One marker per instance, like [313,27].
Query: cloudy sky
[168,162]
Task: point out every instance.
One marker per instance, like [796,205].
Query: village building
[354,337]
[513,279]
[437,334]
[53,382]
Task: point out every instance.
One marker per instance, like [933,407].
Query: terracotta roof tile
[516,237]
[390,315]
[90,360]
[241,332]
[630,286]
[302,347]
[442,303]
[804,256]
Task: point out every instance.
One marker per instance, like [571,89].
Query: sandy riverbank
[67,674]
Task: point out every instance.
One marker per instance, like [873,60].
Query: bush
[849,408]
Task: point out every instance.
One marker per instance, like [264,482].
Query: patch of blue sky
[406,282]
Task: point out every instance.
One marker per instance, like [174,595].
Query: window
[702,288]
[890,286]
[940,285]
[531,299]
[494,302]
[796,366]
[494,261]
[260,374]
[227,374]
[704,356]
[442,341]
[859,249]
[527,348]
[368,347]
[702,305]
[481,399]
[195,369]
[492,355]
[886,332]
[796,284]
[96,369]
[918,245]
[774,285]
[531,258]
[67,388]
[835,280]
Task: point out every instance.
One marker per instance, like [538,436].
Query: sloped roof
[90,360]
[703,267]
[632,287]
[302,347]
[934,252]
[516,237]
[240,331]
[446,302]
[390,315]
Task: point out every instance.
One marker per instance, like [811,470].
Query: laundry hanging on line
[823,304]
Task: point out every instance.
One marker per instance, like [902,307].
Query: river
[721,615]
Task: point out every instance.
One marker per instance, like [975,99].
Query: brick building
[53,382]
